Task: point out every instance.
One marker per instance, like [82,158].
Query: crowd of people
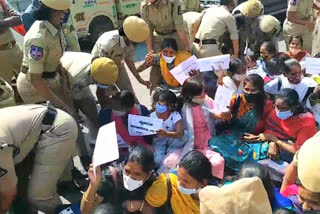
[260,155]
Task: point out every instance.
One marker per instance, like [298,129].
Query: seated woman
[124,186]
[288,126]
[194,173]
[170,138]
[237,72]
[247,114]
[267,52]
[167,59]
[277,201]
[295,52]
[124,104]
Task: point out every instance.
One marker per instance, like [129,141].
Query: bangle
[142,205]
[89,201]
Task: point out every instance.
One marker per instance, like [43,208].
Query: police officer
[83,70]
[49,133]
[117,45]
[40,78]
[215,22]
[299,21]
[251,8]
[191,6]
[264,28]
[192,22]
[6,94]
[10,52]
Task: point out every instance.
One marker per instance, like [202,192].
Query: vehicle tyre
[98,26]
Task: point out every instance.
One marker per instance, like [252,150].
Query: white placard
[106,149]
[121,142]
[181,72]
[206,64]
[142,126]
[312,65]
[222,99]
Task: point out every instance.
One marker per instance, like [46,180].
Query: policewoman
[299,21]
[41,78]
[47,132]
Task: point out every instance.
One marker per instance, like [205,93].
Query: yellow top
[180,203]
[167,76]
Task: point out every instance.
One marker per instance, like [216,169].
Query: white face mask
[188,191]
[131,184]
[168,59]
[198,100]
[240,77]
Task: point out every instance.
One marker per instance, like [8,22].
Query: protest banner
[216,62]
[181,72]
[142,126]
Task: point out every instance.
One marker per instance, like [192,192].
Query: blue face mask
[188,191]
[283,115]
[102,86]
[161,109]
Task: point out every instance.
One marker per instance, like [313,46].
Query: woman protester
[181,192]
[295,49]
[124,186]
[41,78]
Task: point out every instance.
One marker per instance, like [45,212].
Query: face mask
[161,109]
[188,191]
[240,77]
[168,59]
[102,86]
[198,100]
[251,98]
[283,115]
[131,184]
[119,113]
[294,51]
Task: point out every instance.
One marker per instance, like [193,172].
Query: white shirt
[170,123]
[229,83]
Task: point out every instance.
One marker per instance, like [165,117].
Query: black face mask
[251,98]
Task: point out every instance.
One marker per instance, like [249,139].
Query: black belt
[45,75]
[49,117]
[205,41]
[164,34]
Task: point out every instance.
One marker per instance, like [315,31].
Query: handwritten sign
[142,126]
[106,149]
[181,72]
[206,64]
[312,65]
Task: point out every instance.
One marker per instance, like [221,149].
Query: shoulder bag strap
[115,181]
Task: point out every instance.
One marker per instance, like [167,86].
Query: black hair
[317,55]
[142,156]
[225,2]
[125,98]
[191,87]
[270,47]
[169,43]
[169,97]
[42,13]
[299,37]
[288,63]
[291,98]
[249,170]
[274,66]
[106,208]
[197,165]
[121,31]
[240,19]
[283,211]
[257,81]
[234,65]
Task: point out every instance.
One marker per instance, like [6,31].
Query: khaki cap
[246,195]
[136,29]
[309,164]
[268,24]
[58,4]
[104,71]
[252,8]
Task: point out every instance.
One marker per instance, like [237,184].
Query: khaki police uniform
[215,22]
[78,65]
[6,94]
[192,22]
[191,5]
[44,45]
[303,8]
[71,36]
[316,38]
[27,128]
[10,54]
[118,48]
